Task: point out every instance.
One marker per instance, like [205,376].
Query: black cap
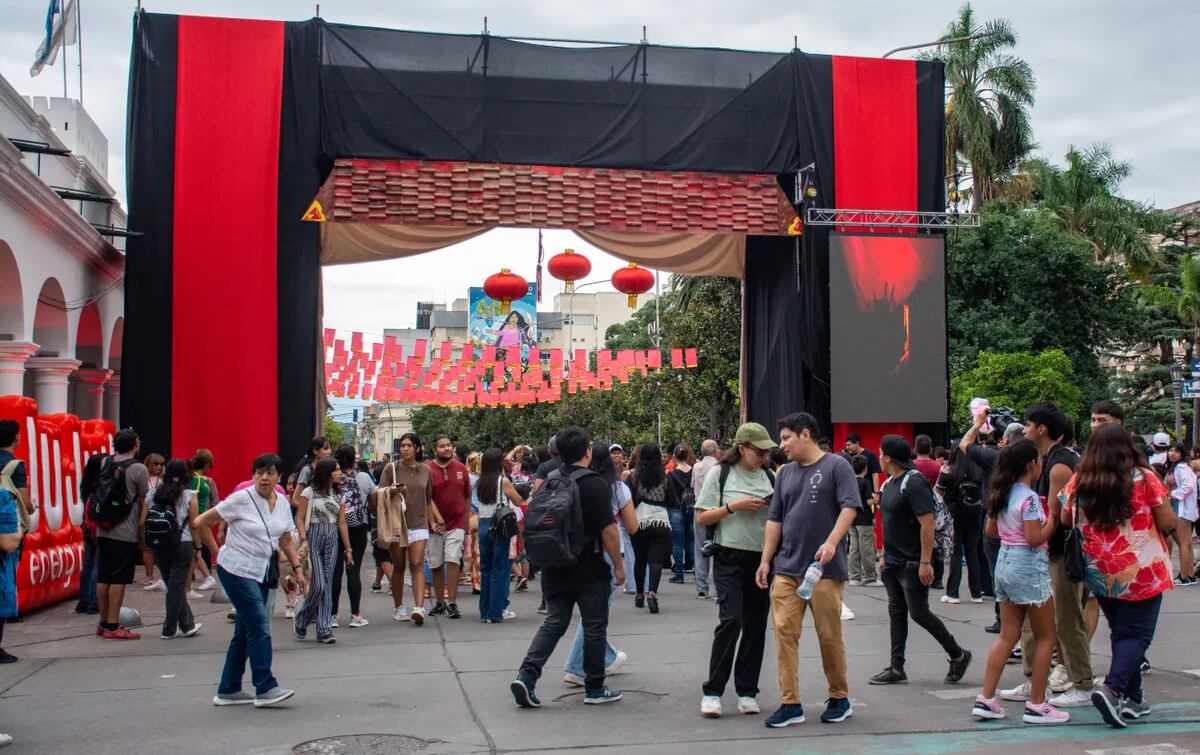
[897,449]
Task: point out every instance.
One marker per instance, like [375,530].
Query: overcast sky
[1112,71]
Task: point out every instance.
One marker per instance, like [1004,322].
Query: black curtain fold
[150,175]
[302,169]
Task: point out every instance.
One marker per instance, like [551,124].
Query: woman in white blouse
[258,524]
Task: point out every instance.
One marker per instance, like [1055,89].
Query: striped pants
[322,552]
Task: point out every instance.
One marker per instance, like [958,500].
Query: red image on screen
[888,328]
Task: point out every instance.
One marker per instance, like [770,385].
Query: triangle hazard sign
[314,213]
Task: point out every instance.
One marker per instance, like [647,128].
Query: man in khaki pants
[816,499]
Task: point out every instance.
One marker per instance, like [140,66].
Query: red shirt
[931,468]
[451,492]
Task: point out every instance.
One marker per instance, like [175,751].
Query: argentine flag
[60,30]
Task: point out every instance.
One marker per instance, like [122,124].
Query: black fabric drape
[301,171]
[931,193]
[150,175]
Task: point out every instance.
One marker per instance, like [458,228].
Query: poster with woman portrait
[488,326]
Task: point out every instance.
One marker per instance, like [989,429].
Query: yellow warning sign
[314,213]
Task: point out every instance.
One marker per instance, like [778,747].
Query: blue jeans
[574,664]
[682,540]
[494,568]
[87,572]
[1131,625]
[251,635]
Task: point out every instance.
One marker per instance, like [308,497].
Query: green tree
[335,433]
[1016,380]
[988,95]
[1018,283]
[1083,200]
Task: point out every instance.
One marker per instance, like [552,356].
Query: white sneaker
[157,586]
[207,584]
[847,614]
[193,595]
[710,706]
[976,600]
[400,613]
[333,622]
[876,583]
[289,613]
[573,679]
[746,705]
[1060,681]
[1072,698]
[358,621]
[855,583]
[1017,694]
[617,663]
[948,599]
[418,615]
[508,614]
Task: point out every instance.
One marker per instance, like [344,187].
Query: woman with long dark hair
[1118,504]
[356,488]
[321,520]
[489,491]
[652,541]
[1022,580]
[411,478]
[174,560]
[1181,481]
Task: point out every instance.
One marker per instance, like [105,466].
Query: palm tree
[988,95]
[1083,200]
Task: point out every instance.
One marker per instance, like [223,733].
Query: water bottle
[811,577]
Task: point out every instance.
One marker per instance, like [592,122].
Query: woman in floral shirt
[1118,505]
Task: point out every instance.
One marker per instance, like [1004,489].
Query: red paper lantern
[505,287]
[569,267]
[633,280]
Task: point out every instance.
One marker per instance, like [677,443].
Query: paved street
[444,687]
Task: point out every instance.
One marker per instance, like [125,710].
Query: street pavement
[443,688]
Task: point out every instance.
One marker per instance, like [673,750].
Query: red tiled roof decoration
[486,194]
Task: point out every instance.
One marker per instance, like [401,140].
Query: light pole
[1177,383]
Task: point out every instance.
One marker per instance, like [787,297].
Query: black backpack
[163,528]
[110,503]
[504,524]
[683,484]
[555,536]
[966,491]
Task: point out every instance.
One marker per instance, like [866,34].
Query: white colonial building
[61,276]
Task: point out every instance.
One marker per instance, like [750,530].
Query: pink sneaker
[987,708]
[1045,714]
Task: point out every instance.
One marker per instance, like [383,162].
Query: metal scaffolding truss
[890,218]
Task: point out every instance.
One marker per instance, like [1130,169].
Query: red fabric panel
[223,360]
[875,161]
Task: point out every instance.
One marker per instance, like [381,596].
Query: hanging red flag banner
[689,358]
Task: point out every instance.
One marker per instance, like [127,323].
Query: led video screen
[887,330]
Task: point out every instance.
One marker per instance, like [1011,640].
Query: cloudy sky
[1108,71]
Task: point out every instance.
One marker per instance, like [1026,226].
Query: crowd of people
[772,530]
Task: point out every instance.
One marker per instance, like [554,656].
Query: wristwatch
[926,563]
[728,510]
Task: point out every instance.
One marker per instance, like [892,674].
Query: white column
[112,398]
[89,392]
[13,355]
[51,381]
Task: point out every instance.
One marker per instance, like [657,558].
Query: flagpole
[63,40]
[79,41]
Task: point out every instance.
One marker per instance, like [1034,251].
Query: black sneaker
[523,694]
[438,609]
[453,612]
[542,606]
[676,580]
[1015,655]
[702,595]
[652,604]
[837,709]
[958,668]
[889,676]
[994,628]
[602,696]
[639,600]
[937,586]
[1108,704]
[376,587]
[1145,667]
[786,715]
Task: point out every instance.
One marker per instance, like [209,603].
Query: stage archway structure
[413,140]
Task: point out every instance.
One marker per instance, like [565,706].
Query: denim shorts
[1022,575]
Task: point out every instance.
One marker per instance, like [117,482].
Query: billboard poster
[488,327]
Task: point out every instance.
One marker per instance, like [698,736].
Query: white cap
[1161,440]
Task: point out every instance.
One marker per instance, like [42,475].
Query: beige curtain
[347,243]
[687,253]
